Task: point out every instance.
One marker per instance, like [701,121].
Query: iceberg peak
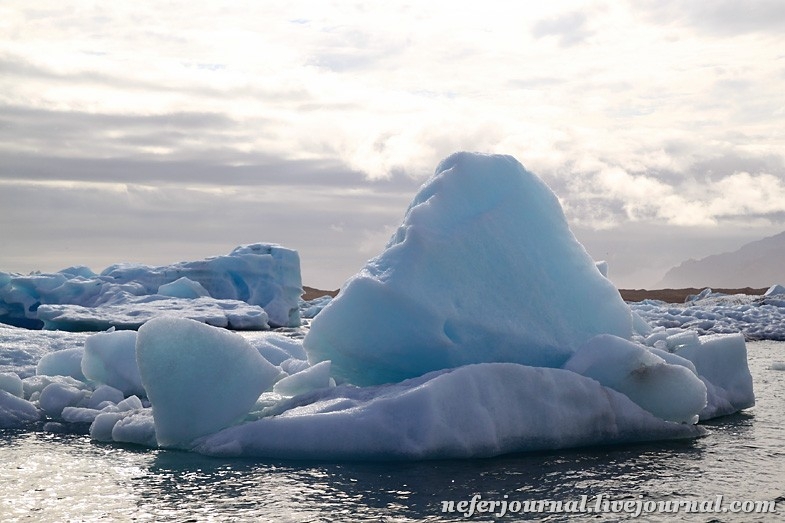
[483,268]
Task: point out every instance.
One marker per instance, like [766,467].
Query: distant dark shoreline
[312,294]
[679,295]
[666,295]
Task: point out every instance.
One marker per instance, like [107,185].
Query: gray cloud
[13,66]
[718,17]
[220,168]
[715,168]
[569,28]
[163,211]
[78,133]
[16,67]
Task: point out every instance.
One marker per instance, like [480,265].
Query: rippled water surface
[51,477]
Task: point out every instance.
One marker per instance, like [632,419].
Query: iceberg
[199,379]
[484,268]
[110,359]
[250,287]
[306,379]
[267,275]
[775,290]
[721,362]
[473,411]
[483,328]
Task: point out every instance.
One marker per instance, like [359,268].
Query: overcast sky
[164,131]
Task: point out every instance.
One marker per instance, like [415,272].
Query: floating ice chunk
[80,414]
[294,365]
[640,326]
[277,348]
[12,384]
[483,268]
[105,421]
[16,412]
[130,403]
[66,362]
[34,385]
[56,427]
[128,426]
[674,359]
[57,396]
[471,411]
[775,290]
[183,288]
[702,295]
[309,309]
[657,334]
[315,377]
[687,338]
[138,428]
[110,359]
[104,393]
[722,361]
[199,379]
[103,424]
[671,392]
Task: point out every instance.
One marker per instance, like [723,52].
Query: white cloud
[630,113]
[747,194]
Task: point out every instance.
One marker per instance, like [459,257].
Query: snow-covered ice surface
[22,349]
[131,312]
[483,328]
[250,287]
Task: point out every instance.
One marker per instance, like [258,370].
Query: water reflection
[299,491]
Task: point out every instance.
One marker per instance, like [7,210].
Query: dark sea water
[67,477]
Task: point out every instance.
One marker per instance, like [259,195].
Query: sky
[157,132]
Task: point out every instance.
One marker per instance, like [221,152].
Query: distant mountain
[756,264]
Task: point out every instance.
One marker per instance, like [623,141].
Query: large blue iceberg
[483,328]
[484,268]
